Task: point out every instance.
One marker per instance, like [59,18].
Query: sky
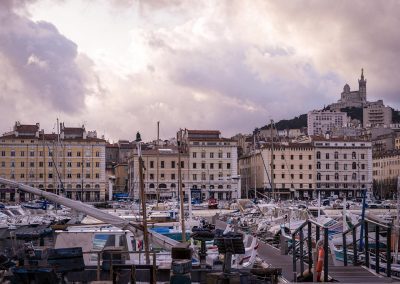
[119,66]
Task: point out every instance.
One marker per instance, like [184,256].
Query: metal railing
[305,255]
[363,246]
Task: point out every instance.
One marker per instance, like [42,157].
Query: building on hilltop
[377,114]
[350,98]
[321,122]
[71,163]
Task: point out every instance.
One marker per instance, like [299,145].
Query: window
[194,155]
[162,164]
[12,153]
[22,175]
[309,167]
[41,164]
[344,156]
[203,155]
[301,157]
[162,176]
[97,154]
[32,154]
[194,177]
[220,155]
[12,164]
[283,175]
[151,164]
[345,177]
[182,164]
[336,166]
[50,175]
[3,164]
[353,155]
[336,155]
[194,165]
[219,165]
[211,177]
[309,157]
[78,164]
[173,176]
[327,166]
[50,154]
[354,165]
[87,175]
[88,164]
[300,167]
[78,175]
[327,156]
[97,164]
[291,157]
[336,176]
[212,166]
[282,157]
[3,153]
[292,176]
[97,175]
[69,175]
[22,153]
[301,176]
[282,167]
[362,156]
[228,166]
[151,176]
[318,155]
[203,176]
[22,164]
[69,154]
[40,175]
[310,176]
[318,176]
[203,165]
[32,164]
[173,164]
[291,167]
[211,155]
[327,177]
[354,176]
[78,154]
[228,155]
[363,166]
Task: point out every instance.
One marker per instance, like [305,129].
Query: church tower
[362,85]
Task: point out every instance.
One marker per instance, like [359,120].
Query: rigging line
[265,167]
[58,173]
[281,148]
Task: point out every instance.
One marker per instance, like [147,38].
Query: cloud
[228,65]
[43,60]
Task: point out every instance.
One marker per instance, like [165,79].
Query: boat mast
[272,163]
[255,165]
[143,198]
[396,244]
[158,157]
[180,190]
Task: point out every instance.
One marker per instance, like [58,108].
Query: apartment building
[252,174]
[386,170]
[213,169]
[321,122]
[343,166]
[71,163]
[160,173]
[376,114]
[293,170]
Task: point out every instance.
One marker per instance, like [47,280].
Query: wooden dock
[344,274]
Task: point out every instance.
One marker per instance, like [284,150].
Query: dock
[345,274]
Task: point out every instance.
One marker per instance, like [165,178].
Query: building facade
[213,169]
[321,122]
[252,174]
[160,173]
[343,167]
[71,163]
[377,114]
[293,170]
[386,170]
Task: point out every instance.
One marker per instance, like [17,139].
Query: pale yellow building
[71,163]
[160,173]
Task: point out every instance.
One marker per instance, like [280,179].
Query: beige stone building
[252,174]
[71,163]
[386,167]
[293,167]
[213,169]
[160,172]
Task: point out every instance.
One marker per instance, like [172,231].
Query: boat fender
[320,263]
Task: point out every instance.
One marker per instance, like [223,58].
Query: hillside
[301,121]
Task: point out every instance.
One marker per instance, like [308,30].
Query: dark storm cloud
[42,58]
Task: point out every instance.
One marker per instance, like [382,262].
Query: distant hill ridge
[301,120]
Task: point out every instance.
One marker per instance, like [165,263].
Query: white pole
[319,203]
[190,208]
